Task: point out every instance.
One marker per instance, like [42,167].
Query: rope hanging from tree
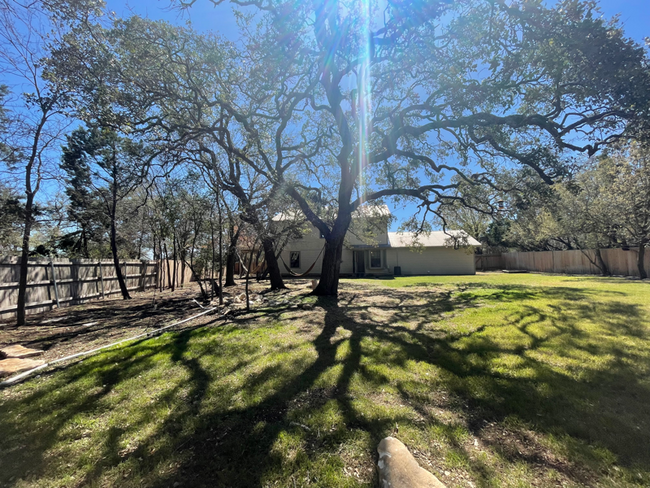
[302,275]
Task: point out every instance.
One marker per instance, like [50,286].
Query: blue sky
[634,16]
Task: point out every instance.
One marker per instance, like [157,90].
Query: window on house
[295,259]
[375,259]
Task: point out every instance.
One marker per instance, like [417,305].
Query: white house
[385,253]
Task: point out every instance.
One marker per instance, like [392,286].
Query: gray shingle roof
[433,239]
[380,210]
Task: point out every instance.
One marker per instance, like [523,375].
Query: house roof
[362,211]
[287,215]
[433,239]
[371,211]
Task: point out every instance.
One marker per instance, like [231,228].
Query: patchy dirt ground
[70,330]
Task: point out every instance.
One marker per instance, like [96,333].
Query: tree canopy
[338,106]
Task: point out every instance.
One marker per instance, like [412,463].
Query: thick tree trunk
[332,256]
[252,218]
[116,262]
[640,261]
[604,270]
[231,259]
[231,256]
[272,264]
[328,284]
[275,275]
[24,261]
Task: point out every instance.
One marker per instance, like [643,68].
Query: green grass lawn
[492,380]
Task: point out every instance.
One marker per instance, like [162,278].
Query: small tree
[114,167]
[584,215]
[11,219]
[84,210]
[626,189]
[605,204]
[35,123]
[474,209]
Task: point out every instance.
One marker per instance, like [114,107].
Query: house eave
[359,247]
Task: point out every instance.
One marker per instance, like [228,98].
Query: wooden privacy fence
[618,261]
[488,262]
[68,282]
[183,274]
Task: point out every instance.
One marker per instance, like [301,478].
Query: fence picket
[73,281]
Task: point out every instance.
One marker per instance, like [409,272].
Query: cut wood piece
[15,365]
[19,352]
[49,321]
[399,469]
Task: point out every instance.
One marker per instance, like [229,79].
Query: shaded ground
[69,330]
[492,381]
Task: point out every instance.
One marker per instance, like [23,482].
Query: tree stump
[399,469]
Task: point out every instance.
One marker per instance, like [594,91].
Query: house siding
[431,261]
[426,261]
[310,246]
[413,261]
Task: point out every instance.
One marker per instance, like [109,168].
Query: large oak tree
[340,103]
[390,103]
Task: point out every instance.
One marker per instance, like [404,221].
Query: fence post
[553,257]
[143,272]
[56,288]
[101,279]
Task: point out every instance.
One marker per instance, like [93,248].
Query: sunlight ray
[364,91]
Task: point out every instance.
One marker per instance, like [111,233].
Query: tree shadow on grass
[250,421]
[554,386]
[72,329]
